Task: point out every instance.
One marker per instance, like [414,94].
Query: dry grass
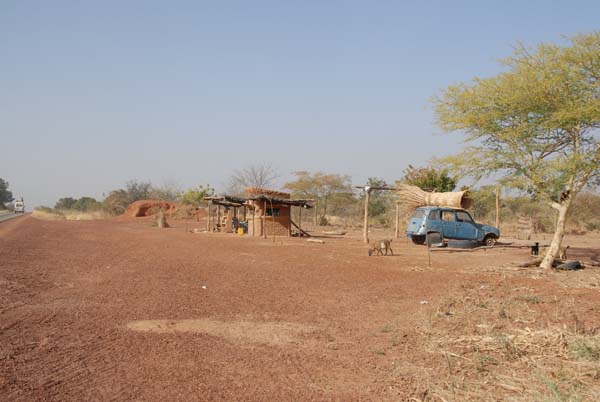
[413,197]
[69,215]
[492,348]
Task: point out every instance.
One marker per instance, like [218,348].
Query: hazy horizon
[98,94]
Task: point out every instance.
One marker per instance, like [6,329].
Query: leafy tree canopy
[429,178]
[195,196]
[535,125]
[65,203]
[319,186]
[5,193]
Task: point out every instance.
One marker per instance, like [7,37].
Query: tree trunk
[162,220]
[559,233]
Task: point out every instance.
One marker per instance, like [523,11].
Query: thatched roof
[233,201]
[257,191]
[283,201]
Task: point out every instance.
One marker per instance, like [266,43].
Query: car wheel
[418,239]
[490,240]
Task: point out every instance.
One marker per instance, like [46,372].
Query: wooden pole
[366,221]
[264,220]
[208,227]
[253,216]
[300,219]
[497,207]
[316,213]
[219,217]
[397,220]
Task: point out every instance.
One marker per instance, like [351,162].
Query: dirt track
[123,311]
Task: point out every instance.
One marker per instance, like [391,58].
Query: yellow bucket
[240,231]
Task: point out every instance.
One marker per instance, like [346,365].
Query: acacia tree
[534,125]
[380,200]
[195,196]
[429,178]
[319,186]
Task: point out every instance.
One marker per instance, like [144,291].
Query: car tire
[418,239]
[462,244]
[490,241]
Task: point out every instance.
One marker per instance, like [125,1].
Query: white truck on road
[20,206]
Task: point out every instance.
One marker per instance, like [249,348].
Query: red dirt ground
[108,310]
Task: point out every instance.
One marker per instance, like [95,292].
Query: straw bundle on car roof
[413,197]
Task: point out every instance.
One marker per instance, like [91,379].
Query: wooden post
[219,217]
[397,220]
[300,219]
[316,213]
[264,220]
[497,207]
[208,227]
[253,216]
[366,221]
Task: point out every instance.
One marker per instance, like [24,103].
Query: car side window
[463,217]
[434,215]
[448,216]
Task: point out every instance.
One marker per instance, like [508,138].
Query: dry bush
[492,347]
[58,215]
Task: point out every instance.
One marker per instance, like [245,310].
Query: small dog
[382,247]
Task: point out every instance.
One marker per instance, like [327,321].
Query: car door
[434,223]
[465,227]
[448,224]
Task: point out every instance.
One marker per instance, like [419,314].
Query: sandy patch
[268,333]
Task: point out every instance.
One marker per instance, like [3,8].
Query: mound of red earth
[149,207]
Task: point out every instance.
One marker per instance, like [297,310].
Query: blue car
[451,223]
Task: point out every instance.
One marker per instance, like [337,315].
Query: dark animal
[535,249]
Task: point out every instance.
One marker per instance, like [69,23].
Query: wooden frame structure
[263,213]
[367,189]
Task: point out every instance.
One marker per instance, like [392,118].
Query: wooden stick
[397,221]
[208,227]
[264,220]
[428,254]
[366,219]
[219,217]
[497,207]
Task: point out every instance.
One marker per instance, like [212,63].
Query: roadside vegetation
[5,194]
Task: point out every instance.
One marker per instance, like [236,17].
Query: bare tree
[261,175]
[169,190]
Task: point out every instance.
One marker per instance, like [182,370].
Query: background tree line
[338,202]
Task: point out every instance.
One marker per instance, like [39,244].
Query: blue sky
[96,93]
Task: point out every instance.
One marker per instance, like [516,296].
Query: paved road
[5,217]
